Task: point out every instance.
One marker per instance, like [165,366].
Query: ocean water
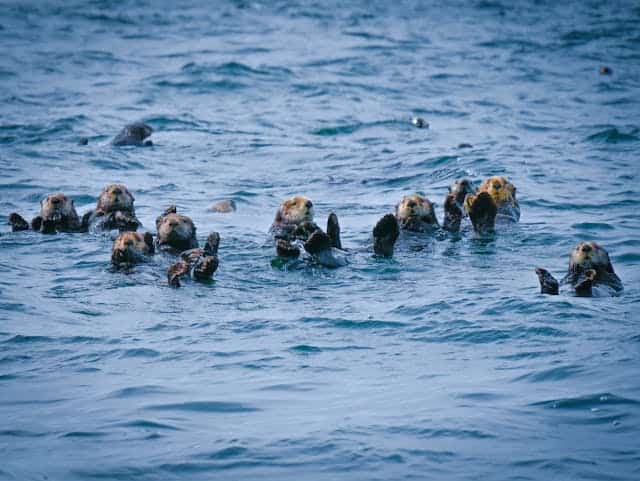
[443,363]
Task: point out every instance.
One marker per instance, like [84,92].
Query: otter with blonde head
[590,273]
[294,225]
[131,248]
[57,214]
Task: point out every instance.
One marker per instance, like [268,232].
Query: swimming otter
[223,206]
[175,231]
[114,210]
[199,263]
[415,213]
[503,194]
[293,224]
[131,248]
[57,214]
[590,272]
[133,134]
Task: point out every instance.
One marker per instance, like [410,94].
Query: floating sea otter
[131,248]
[114,210]
[177,235]
[176,232]
[502,194]
[294,225]
[590,273]
[57,214]
[133,134]
[415,213]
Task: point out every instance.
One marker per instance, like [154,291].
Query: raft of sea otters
[296,236]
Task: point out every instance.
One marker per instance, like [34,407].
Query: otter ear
[148,239]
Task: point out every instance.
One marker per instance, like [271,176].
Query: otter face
[415,209]
[460,189]
[131,248]
[589,255]
[176,230]
[500,189]
[57,207]
[115,197]
[295,211]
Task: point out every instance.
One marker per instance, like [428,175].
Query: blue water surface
[443,363]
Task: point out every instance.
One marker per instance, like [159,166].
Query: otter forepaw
[17,222]
[333,231]
[205,267]
[317,243]
[482,212]
[385,234]
[584,288]
[548,283]
[452,214]
[284,248]
[212,244]
[176,271]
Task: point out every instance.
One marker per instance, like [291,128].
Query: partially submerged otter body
[294,230]
[176,232]
[590,273]
[57,214]
[131,248]
[133,134]
[114,211]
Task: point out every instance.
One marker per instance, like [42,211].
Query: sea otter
[294,224]
[57,214]
[131,248]
[176,232]
[114,210]
[495,201]
[198,263]
[415,213]
[133,134]
[590,273]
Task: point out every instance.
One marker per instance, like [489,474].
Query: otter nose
[128,243]
[309,204]
[55,201]
[496,185]
[173,223]
[586,248]
[117,191]
[412,204]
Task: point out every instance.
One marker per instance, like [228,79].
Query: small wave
[586,402]
[146,424]
[204,407]
[613,135]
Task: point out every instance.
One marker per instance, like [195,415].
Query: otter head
[589,255]
[414,211]
[460,189]
[295,211]
[131,248]
[57,208]
[115,197]
[176,231]
[500,189]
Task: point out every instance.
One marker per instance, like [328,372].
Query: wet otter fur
[131,248]
[114,210]
[176,232]
[198,263]
[590,273]
[57,214]
[294,224]
[133,134]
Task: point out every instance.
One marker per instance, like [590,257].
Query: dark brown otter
[114,210]
[176,232]
[57,214]
[198,263]
[589,269]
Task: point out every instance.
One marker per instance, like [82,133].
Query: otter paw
[385,234]
[205,267]
[548,283]
[17,222]
[333,231]
[482,212]
[212,244]
[452,214]
[176,271]
[317,243]
[284,248]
